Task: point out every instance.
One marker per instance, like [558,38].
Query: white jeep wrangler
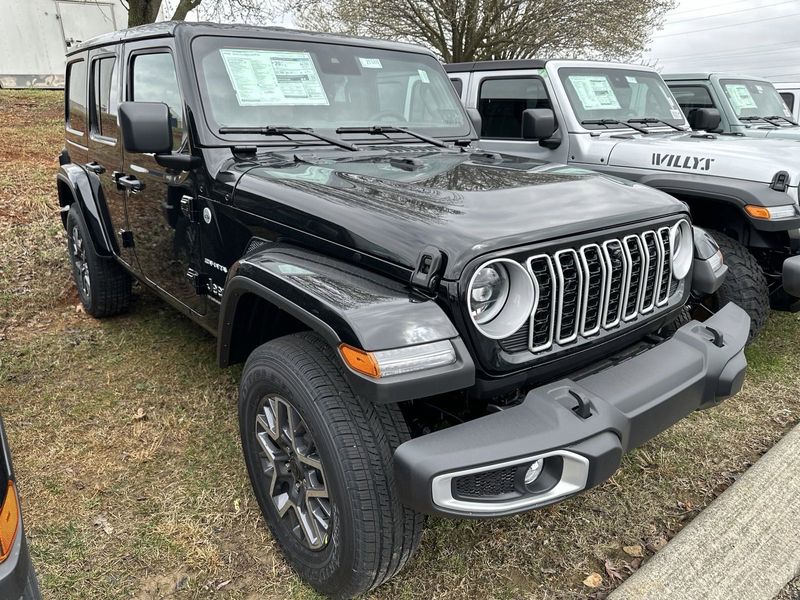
[623,120]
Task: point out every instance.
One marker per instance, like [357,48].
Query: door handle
[95,168]
[126,182]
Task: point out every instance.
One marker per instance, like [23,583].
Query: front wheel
[744,283]
[319,460]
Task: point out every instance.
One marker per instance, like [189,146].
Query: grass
[126,446]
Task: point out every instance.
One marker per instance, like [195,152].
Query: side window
[788,98]
[692,96]
[459,85]
[501,102]
[154,79]
[76,96]
[104,97]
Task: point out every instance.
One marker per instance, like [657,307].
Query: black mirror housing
[538,123]
[477,121]
[704,119]
[145,127]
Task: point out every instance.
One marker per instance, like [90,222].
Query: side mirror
[538,123]
[145,127]
[705,119]
[475,117]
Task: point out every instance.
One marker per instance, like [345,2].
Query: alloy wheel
[293,470]
[81,264]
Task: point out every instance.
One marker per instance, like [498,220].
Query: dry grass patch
[126,444]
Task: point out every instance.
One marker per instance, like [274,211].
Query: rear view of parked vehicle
[426,327]
[747,106]
[622,120]
[17,577]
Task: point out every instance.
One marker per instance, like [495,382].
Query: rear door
[105,147]
[75,109]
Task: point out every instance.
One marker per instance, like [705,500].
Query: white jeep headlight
[500,297]
[681,243]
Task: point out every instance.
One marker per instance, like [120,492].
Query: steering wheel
[388,114]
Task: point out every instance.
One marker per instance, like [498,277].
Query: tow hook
[582,409]
[716,337]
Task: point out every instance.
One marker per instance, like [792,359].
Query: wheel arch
[74,186]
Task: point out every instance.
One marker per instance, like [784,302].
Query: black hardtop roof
[495,65]
[193,29]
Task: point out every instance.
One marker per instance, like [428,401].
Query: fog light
[533,472]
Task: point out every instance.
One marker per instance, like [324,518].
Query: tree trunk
[183,8]
[141,12]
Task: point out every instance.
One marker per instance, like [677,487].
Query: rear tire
[744,284]
[103,285]
[368,536]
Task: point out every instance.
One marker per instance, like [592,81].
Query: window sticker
[423,76]
[739,96]
[676,114]
[630,79]
[594,92]
[273,78]
[370,63]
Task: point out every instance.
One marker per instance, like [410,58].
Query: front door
[166,242]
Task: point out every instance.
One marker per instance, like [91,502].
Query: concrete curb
[744,546]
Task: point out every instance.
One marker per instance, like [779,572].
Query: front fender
[75,185]
[344,303]
[735,192]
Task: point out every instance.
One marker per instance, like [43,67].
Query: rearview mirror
[145,127]
[538,123]
[475,117]
[705,119]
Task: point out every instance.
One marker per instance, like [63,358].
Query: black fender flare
[735,192]
[76,185]
[346,304]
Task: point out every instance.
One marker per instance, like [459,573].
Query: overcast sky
[748,37]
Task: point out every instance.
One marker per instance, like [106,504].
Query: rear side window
[691,97]
[459,85]
[154,80]
[788,97]
[104,97]
[76,96]
[501,102]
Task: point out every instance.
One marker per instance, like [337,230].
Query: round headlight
[681,243]
[500,297]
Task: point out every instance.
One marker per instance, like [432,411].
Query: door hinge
[429,265]
[127,238]
[189,208]
[200,281]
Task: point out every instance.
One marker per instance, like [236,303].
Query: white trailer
[35,34]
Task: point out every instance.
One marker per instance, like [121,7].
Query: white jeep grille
[597,287]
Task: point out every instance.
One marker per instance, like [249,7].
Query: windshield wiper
[778,118]
[653,120]
[385,129]
[769,120]
[285,131]
[608,122]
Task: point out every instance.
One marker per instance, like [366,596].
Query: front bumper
[630,402]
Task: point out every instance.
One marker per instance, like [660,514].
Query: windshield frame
[578,68]
[280,43]
[724,81]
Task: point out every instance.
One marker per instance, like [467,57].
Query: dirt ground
[126,449]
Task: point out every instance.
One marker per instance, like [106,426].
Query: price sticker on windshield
[594,92]
[740,97]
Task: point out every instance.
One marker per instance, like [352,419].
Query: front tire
[304,431]
[103,285]
[744,284]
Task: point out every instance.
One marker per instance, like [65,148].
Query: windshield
[248,82]
[597,93]
[754,98]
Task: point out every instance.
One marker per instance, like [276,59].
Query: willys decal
[678,161]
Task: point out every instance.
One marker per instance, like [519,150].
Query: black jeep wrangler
[427,328]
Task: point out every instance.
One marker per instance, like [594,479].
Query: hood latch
[780,183]
[429,266]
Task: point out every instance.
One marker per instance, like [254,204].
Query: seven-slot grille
[596,287]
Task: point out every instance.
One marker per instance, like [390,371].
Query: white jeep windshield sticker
[370,63]
[273,78]
[594,92]
[739,96]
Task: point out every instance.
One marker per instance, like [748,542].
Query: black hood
[393,204]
